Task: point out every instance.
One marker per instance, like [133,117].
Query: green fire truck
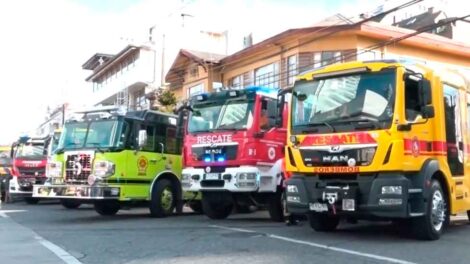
[114,159]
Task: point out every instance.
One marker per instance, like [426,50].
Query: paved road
[133,237]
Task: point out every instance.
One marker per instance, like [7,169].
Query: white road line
[58,251]
[3,213]
[307,243]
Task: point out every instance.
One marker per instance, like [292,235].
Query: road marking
[3,213]
[312,244]
[58,251]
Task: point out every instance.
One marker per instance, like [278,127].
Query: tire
[196,206]
[70,204]
[107,207]
[163,201]
[216,205]
[276,207]
[31,200]
[323,222]
[431,225]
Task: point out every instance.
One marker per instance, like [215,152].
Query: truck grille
[229,152]
[77,168]
[32,172]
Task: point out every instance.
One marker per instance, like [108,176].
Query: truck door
[454,139]
[273,137]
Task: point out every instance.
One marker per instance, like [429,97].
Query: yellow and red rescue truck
[379,140]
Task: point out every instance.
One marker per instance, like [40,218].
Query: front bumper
[228,179]
[22,188]
[82,192]
[364,191]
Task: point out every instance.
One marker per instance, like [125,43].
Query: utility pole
[162,81]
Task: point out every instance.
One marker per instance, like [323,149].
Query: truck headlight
[185,177]
[246,176]
[103,169]
[392,190]
[54,169]
[292,189]
[366,155]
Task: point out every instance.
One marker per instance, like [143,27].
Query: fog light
[114,191]
[292,189]
[392,190]
[293,199]
[388,201]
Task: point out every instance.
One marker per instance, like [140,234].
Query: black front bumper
[365,190]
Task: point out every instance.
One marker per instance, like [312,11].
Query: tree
[166,99]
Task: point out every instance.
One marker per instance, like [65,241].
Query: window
[237,82]
[412,107]
[292,70]
[325,58]
[267,76]
[194,72]
[268,113]
[139,99]
[454,136]
[150,146]
[197,89]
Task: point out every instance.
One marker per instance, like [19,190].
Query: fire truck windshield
[27,150]
[339,103]
[226,115]
[94,134]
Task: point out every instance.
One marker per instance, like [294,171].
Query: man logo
[335,149]
[213,145]
[208,169]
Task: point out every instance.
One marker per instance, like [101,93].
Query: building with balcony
[276,61]
[123,79]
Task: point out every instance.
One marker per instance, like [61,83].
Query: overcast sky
[44,43]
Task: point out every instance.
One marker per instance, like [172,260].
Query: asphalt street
[82,236]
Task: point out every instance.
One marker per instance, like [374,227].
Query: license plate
[212,176]
[318,207]
[349,205]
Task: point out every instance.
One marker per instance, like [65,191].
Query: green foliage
[166,99]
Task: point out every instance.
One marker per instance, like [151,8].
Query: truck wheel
[216,205]
[276,208]
[163,201]
[196,206]
[107,207]
[70,204]
[436,217]
[323,222]
[31,200]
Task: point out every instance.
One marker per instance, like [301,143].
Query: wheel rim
[438,210]
[167,198]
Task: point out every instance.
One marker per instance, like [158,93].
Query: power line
[339,28]
[335,59]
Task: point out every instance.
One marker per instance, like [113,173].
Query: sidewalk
[20,245]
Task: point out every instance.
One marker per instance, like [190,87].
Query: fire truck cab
[233,150]
[29,158]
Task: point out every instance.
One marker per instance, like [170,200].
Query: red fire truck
[29,158]
[233,150]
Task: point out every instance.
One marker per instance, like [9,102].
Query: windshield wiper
[97,145]
[361,122]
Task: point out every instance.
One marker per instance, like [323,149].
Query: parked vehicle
[29,158]
[113,159]
[5,172]
[233,150]
[379,140]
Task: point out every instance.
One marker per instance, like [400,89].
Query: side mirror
[142,139]
[425,93]
[427,111]
[281,99]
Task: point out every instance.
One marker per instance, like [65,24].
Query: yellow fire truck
[380,140]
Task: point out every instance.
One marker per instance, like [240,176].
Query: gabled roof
[96,60]
[115,59]
[200,57]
